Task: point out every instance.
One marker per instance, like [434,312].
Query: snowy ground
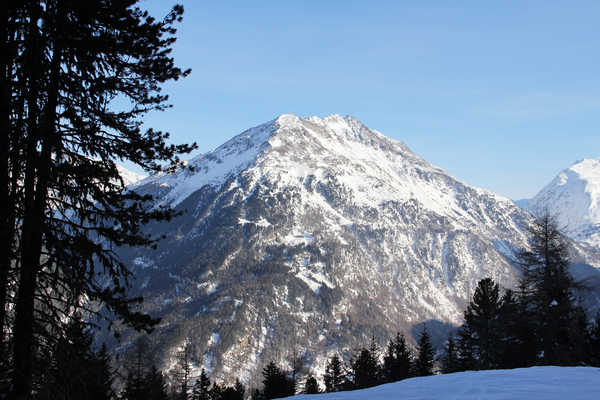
[537,383]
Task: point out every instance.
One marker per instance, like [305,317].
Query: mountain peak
[587,168]
[287,120]
[574,197]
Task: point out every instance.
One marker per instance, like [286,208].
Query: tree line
[366,368]
[541,322]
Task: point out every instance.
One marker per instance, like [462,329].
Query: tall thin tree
[81,76]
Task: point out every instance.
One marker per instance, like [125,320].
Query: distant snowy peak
[574,197]
[129,177]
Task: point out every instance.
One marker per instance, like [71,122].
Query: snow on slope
[318,229]
[536,383]
[574,197]
[129,177]
[333,140]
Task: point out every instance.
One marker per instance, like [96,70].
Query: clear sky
[501,94]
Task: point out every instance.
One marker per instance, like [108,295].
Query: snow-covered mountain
[574,197]
[536,383]
[307,237]
[129,177]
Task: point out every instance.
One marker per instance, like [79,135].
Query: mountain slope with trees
[307,237]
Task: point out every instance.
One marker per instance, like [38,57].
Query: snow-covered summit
[289,149]
[574,197]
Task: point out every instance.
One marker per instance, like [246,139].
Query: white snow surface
[574,197]
[536,383]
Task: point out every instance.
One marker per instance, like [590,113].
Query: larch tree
[77,80]
[548,290]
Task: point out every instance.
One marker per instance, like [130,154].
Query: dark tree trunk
[37,178]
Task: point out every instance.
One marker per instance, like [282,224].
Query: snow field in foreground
[536,383]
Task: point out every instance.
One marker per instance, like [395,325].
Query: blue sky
[503,95]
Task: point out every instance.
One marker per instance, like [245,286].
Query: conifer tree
[137,370]
[424,362]
[397,360]
[519,341]
[257,395]
[450,361]
[389,363]
[334,375]
[182,373]
[239,388]
[155,384]
[365,367]
[216,392]
[233,392]
[201,387]
[467,354]
[62,133]
[483,319]
[547,288]
[594,342]
[75,369]
[276,383]
[311,386]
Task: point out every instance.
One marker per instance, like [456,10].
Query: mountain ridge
[319,232]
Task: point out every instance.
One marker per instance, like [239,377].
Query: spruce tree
[257,395]
[311,386]
[389,363]
[137,369]
[424,362]
[465,345]
[450,362]
[155,384]
[276,383]
[483,319]
[365,367]
[75,370]
[201,387]
[64,64]
[519,343]
[334,375]
[397,360]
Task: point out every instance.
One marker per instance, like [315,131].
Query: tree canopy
[77,80]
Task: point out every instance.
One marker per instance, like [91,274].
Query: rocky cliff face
[307,237]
